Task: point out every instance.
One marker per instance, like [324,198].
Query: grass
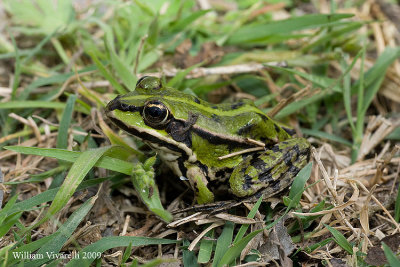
[69,175]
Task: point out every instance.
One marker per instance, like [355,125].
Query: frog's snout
[113,104]
[119,104]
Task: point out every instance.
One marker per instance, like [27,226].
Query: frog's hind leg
[272,171]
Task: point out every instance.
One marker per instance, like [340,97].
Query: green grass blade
[105,162]
[186,21]
[61,236]
[32,246]
[116,241]
[390,256]
[340,239]
[62,137]
[206,248]
[375,75]
[320,244]
[244,227]
[297,189]
[223,243]
[47,196]
[188,257]
[103,70]
[296,106]
[254,32]
[121,68]
[376,72]
[17,67]
[234,251]
[324,135]
[9,222]
[31,104]
[127,253]
[77,173]
[8,206]
[397,206]
[320,81]
[180,76]
[349,27]
[347,90]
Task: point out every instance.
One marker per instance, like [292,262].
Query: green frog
[234,145]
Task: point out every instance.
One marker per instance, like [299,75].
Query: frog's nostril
[113,104]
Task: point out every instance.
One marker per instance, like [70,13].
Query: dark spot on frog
[214,107]
[258,194]
[245,129]
[203,168]
[247,182]
[264,140]
[277,129]
[264,117]
[220,173]
[277,186]
[181,165]
[197,100]
[297,152]
[287,158]
[308,150]
[215,139]
[291,132]
[237,105]
[266,176]
[293,170]
[258,163]
[276,148]
[196,188]
[216,118]
[296,149]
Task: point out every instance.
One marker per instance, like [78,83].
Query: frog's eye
[155,114]
[140,80]
[149,83]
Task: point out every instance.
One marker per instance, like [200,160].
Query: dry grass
[358,194]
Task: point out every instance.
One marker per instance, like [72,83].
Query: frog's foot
[179,130]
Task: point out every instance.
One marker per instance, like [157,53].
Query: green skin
[190,134]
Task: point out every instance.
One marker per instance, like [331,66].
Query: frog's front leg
[198,181]
[271,171]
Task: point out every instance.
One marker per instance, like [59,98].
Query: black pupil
[155,112]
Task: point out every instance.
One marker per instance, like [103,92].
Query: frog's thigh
[198,182]
[272,170]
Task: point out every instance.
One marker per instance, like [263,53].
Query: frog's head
[142,107]
[153,112]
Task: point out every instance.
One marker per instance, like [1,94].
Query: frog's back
[240,119]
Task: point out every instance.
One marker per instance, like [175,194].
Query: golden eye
[155,114]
